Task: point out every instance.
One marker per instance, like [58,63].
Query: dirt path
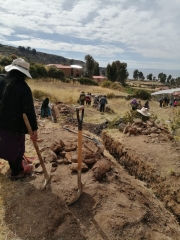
[117,207]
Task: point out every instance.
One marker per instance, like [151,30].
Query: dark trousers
[16,167]
[102,107]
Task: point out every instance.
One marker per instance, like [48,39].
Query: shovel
[80,185]
[46,175]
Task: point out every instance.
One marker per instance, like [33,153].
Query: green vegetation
[112,85]
[87,81]
[117,71]
[142,94]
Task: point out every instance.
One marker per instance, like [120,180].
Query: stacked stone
[138,127]
[92,157]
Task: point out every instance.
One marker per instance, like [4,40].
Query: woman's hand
[34,136]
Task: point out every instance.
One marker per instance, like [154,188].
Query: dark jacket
[103,101]
[19,102]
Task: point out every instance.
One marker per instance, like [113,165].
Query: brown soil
[138,199]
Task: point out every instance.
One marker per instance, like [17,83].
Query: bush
[33,72]
[142,94]
[39,94]
[54,72]
[111,95]
[129,90]
[87,81]
[41,70]
[116,86]
[4,61]
[106,84]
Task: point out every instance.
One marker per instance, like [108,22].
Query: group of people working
[165,101]
[100,102]
[137,104]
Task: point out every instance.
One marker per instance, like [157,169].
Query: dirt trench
[158,176]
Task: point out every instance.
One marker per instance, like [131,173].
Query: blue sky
[143,33]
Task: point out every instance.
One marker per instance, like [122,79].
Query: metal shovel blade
[79,192]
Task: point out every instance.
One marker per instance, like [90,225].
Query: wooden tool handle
[35,145]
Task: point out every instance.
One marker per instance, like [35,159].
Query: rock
[132,130]
[137,120]
[38,169]
[50,156]
[74,167]
[100,169]
[122,126]
[100,149]
[145,132]
[71,157]
[153,130]
[57,146]
[125,129]
[139,129]
[149,123]
[171,137]
[62,161]
[154,135]
[74,158]
[90,161]
[88,155]
[63,153]
[91,146]
[71,147]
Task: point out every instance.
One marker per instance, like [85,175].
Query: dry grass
[68,92]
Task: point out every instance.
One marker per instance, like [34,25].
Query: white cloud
[147,28]
[97,50]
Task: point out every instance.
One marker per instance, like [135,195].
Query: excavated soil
[138,198]
[118,207]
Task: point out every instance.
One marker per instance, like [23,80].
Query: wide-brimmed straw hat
[144,111]
[20,65]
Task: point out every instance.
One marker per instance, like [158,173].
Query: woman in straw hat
[16,100]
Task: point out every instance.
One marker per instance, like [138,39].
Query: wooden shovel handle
[35,146]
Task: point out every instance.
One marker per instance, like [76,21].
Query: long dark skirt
[12,147]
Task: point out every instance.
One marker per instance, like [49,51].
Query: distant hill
[38,57]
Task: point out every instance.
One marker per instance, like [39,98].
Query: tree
[54,72]
[103,72]
[169,78]
[172,82]
[22,49]
[33,51]
[96,69]
[140,75]
[28,49]
[177,81]
[135,74]
[149,76]
[90,64]
[122,72]
[117,72]
[41,70]
[162,77]
[111,71]
[33,71]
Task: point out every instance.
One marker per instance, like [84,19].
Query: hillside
[39,57]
